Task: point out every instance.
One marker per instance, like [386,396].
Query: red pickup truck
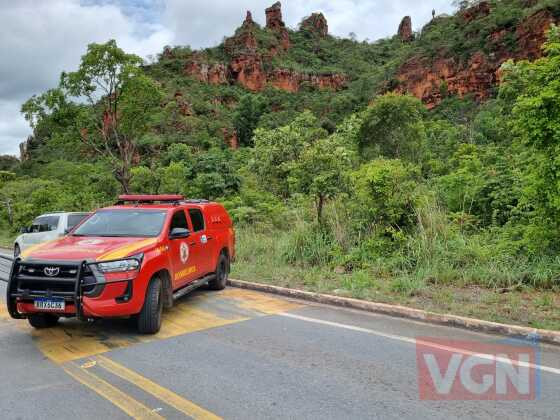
[131,259]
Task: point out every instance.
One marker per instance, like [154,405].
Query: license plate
[50,304]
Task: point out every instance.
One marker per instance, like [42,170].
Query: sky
[41,38]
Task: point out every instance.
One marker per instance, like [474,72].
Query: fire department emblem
[184,252]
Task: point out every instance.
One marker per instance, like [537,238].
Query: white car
[45,228]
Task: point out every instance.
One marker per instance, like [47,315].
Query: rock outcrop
[247,64]
[431,80]
[477,11]
[247,70]
[292,81]
[184,107]
[405,29]
[214,74]
[275,23]
[316,24]
[230,138]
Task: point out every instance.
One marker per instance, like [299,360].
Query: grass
[6,239]
[473,290]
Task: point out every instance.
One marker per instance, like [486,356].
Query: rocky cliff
[432,79]
[248,59]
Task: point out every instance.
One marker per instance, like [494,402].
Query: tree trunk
[320,204]
[123,177]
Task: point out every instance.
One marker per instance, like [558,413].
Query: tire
[222,273]
[149,319]
[40,321]
[17,251]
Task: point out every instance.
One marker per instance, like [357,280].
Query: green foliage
[393,128]
[534,90]
[246,117]
[276,151]
[321,171]
[385,193]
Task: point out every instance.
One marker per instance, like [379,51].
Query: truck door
[184,256]
[199,239]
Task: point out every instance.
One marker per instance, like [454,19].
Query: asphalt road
[241,355]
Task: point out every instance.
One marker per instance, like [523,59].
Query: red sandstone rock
[247,70]
[275,23]
[184,107]
[429,80]
[531,34]
[478,11]
[215,74]
[230,138]
[248,19]
[317,24]
[405,29]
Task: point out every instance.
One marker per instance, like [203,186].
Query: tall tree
[122,100]
[393,128]
[247,116]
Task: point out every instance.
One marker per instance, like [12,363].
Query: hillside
[457,55]
[419,168]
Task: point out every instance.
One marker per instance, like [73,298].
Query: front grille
[52,271]
[41,279]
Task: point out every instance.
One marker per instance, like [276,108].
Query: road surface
[239,354]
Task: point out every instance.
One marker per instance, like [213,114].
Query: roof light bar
[146,198]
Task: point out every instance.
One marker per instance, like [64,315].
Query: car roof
[61,213]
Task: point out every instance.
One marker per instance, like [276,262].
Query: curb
[546,336]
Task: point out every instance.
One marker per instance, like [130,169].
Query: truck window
[44,224]
[74,219]
[197,219]
[179,220]
[52,223]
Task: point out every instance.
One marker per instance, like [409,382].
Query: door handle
[192,243]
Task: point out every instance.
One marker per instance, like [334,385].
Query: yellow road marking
[169,397]
[4,311]
[73,340]
[126,403]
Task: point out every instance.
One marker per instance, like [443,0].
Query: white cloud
[41,38]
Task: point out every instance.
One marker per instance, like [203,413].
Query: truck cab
[127,260]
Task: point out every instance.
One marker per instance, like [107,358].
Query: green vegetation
[359,192]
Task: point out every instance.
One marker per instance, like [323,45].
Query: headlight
[119,266]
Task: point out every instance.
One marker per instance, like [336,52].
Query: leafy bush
[384,193]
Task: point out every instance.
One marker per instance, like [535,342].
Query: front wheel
[40,321]
[149,319]
[222,273]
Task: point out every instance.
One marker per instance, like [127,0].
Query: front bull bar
[8,274]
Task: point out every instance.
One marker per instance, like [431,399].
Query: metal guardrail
[6,263]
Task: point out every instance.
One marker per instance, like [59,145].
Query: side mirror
[24,230]
[179,233]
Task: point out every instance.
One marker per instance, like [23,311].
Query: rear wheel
[149,319]
[42,320]
[17,251]
[222,273]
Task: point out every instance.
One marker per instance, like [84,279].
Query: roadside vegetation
[360,193]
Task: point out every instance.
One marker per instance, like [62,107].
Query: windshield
[116,223]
